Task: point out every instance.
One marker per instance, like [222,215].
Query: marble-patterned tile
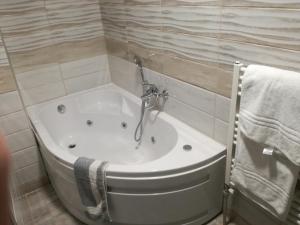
[84,66]
[76,20]
[32,59]
[151,39]
[114,21]
[87,81]
[7,81]
[191,2]
[194,96]
[275,27]
[111,2]
[27,30]
[220,131]
[147,17]
[65,52]
[20,140]
[143,2]
[117,48]
[194,20]
[3,56]
[25,157]
[41,76]
[30,178]
[263,3]
[152,58]
[222,108]
[191,47]
[43,93]
[10,102]
[204,75]
[125,75]
[231,51]
[191,116]
[13,123]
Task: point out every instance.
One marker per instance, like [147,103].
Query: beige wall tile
[74,20]
[13,122]
[191,2]
[230,51]
[20,140]
[30,178]
[7,81]
[207,76]
[142,2]
[221,131]
[194,20]
[87,81]
[151,58]
[43,93]
[41,76]
[10,102]
[114,20]
[84,66]
[111,2]
[193,117]
[25,157]
[222,108]
[149,17]
[66,52]
[263,3]
[117,48]
[190,47]
[275,27]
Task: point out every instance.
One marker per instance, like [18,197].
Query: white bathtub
[157,183]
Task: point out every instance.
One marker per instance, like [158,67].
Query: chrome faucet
[150,99]
[151,93]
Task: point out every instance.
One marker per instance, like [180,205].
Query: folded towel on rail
[269,119]
[267,180]
[270,109]
[90,176]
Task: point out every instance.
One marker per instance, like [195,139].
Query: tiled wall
[27,172]
[55,47]
[197,41]
[47,40]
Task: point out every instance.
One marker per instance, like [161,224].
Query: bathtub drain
[71,146]
[89,122]
[124,125]
[153,140]
[187,148]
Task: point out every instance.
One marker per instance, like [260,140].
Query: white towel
[269,117]
[270,109]
[267,180]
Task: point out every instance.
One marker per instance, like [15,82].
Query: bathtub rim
[119,170]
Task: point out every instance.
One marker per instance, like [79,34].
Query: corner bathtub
[157,182]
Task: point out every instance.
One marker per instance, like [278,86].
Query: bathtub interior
[101,125]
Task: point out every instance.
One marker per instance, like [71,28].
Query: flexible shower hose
[138,134]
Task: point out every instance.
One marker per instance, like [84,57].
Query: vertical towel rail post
[232,139]
[294,214]
[234,109]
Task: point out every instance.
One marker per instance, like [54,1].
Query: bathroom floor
[42,207]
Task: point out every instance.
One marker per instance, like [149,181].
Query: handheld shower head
[138,61]
[139,64]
